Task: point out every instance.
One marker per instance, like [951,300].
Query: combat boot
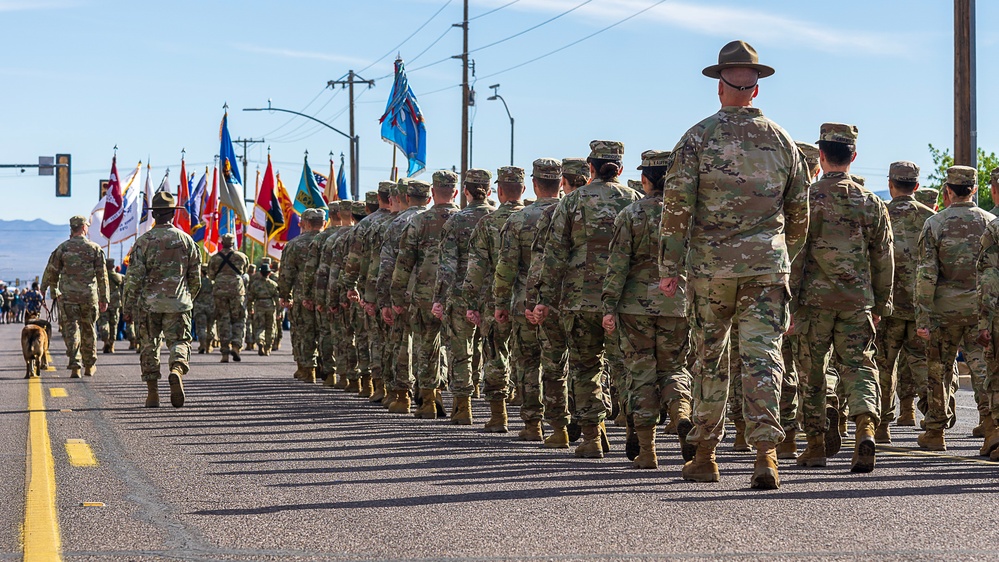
[498,420]
[225,359]
[979,430]
[932,439]
[309,375]
[788,448]
[366,389]
[111,348]
[353,386]
[883,434]
[74,373]
[428,407]
[462,410]
[260,350]
[647,441]
[378,389]
[833,437]
[679,411]
[298,372]
[341,383]
[152,394]
[176,389]
[590,448]
[843,432]
[477,391]
[863,451]
[400,403]
[703,467]
[815,452]
[559,439]
[105,350]
[330,380]
[621,420]
[632,447]
[276,346]
[604,441]
[907,413]
[991,441]
[516,397]
[234,351]
[740,444]
[89,371]
[531,431]
[765,476]
[201,350]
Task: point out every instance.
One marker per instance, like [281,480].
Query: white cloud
[295,54]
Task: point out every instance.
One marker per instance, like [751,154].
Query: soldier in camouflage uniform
[295,294]
[654,332]
[248,326]
[842,284]
[362,324]
[744,220]
[204,313]
[164,275]
[77,274]
[317,267]
[575,262]
[413,285]
[263,293]
[108,320]
[988,326]
[448,303]
[349,346]
[477,292]
[279,311]
[227,270]
[510,293]
[945,294]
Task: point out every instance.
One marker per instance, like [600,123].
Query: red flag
[211,215]
[113,206]
[182,218]
[329,190]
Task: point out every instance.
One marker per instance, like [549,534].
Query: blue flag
[341,182]
[309,195]
[195,206]
[402,123]
[231,186]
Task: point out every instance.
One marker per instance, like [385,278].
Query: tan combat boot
[883,434]
[765,476]
[559,439]
[176,388]
[590,448]
[679,411]
[260,350]
[788,448]
[152,394]
[602,434]
[932,439]
[991,438]
[907,413]
[225,358]
[366,389]
[621,420]
[74,373]
[400,403]
[703,468]
[309,375]
[105,350]
[647,458]
[815,452]
[111,348]
[740,444]
[498,421]
[428,408]
[834,432]
[863,451]
[378,389]
[341,383]
[330,380]
[353,386]
[978,431]
[462,410]
[843,431]
[89,371]
[234,351]
[531,431]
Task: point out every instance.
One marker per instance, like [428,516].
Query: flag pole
[394,173]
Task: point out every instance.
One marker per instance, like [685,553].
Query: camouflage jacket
[263,293]
[115,283]
[204,301]
[631,285]
[368,257]
[320,261]
[483,253]
[454,249]
[907,219]
[389,253]
[74,274]
[988,276]
[847,263]
[419,257]
[516,252]
[575,259]
[293,258]
[228,278]
[946,288]
[355,267]
[335,287]
[738,192]
[533,282]
[164,274]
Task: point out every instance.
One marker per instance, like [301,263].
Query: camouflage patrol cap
[358,208]
[252,267]
[401,187]
[995,174]
[314,214]
[265,268]
[78,221]
[345,207]
[606,150]
[547,169]
[575,167]
[655,158]
[418,188]
[927,197]
[385,188]
[445,178]
[811,153]
[228,239]
[962,175]
[265,261]
[479,176]
[903,170]
[858,179]
[528,202]
[334,207]
[371,197]
[636,185]
[510,174]
[838,132]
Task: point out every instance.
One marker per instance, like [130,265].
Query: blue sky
[81,76]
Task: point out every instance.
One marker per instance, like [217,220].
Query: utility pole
[464,97]
[244,142]
[355,177]
[965,118]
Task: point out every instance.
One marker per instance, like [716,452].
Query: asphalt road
[258,466]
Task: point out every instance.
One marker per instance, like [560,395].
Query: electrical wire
[283,125]
[484,14]
[532,28]
[446,31]
[411,35]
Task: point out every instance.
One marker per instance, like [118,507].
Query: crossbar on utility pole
[355,177]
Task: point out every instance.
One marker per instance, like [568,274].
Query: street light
[496,96]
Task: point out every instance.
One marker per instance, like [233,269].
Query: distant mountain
[26,247]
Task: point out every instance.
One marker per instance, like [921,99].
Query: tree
[942,159]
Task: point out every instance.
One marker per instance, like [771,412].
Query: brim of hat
[164,208]
[714,71]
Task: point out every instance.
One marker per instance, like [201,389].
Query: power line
[446,31]
[576,42]
[411,35]
[484,14]
[283,125]
[287,134]
[518,34]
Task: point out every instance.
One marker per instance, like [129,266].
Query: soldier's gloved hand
[540,313]
[923,333]
[398,309]
[354,295]
[474,317]
[104,307]
[669,285]
[609,323]
[984,338]
[387,316]
[437,310]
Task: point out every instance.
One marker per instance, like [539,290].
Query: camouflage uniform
[227,270]
[108,320]
[988,302]
[279,311]
[263,294]
[346,346]
[368,263]
[291,286]
[354,313]
[318,263]
[204,314]
[745,218]
[77,274]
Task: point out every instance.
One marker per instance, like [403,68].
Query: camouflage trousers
[992,374]
[400,352]
[344,339]
[376,344]
[758,305]
[974,357]
[851,335]
[895,335]
[204,323]
[263,323]
[230,315]
[107,322]
[585,339]
[361,345]
[175,329]
[426,330]
[304,335]
[249,325]
[554,370]
[526,358]
[941,353]
[496,357]
[79,329]
[461,337]
[326,355]
[278,325]
[617,374]
[788,405]
[655,351]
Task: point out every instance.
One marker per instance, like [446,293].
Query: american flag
[321,180]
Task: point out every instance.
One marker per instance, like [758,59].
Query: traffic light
[62,175]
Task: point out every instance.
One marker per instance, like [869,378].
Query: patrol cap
[838,132]
[371,197]
[333,206]
[606,150]
[962,175]
[655,158]
[314,214]
[575,167]
[903,170]
[811,153]
[358,208]
[547,169]
[995,174]
[78,221]
[228,239]
[265,261]
[445,178]
[346,207]
[418,188]
[385,188]
[927,197]
[858,179]
[478,175]
[636,185]
[400,187]
[510,174]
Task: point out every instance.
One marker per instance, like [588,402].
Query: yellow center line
[56,392]
[41,523]
[80,453]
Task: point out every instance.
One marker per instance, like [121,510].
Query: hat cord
[731,85]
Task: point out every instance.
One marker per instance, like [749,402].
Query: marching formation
[733,281]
